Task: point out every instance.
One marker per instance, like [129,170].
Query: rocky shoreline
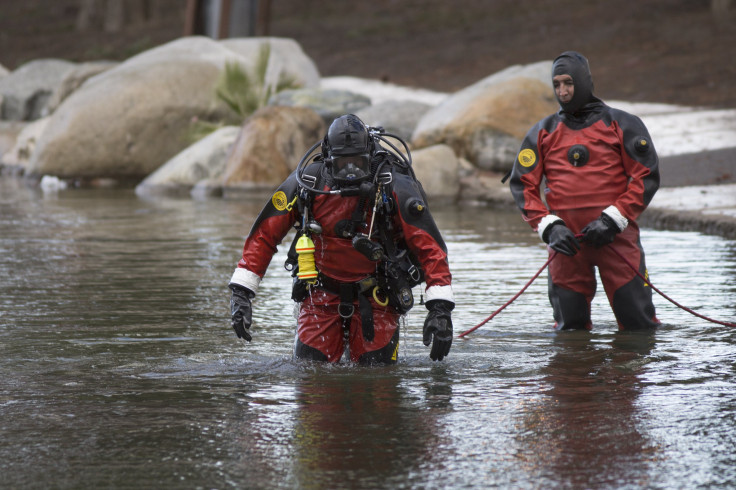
[112,124]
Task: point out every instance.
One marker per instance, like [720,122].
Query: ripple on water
[118,366]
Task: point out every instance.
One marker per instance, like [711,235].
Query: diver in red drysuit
[600,171]
[364,283]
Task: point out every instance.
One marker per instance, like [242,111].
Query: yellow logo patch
[279,200]
[527,158]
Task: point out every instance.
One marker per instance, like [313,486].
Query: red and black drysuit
[597,160]
[320,328]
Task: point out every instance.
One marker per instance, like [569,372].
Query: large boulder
[438,169]
[25,92]
[287,60]
[328,103]
[19,156]
[74,79]
[126,122]
[399,117]
[9,131]
[269,147]
[485,122]
[203,161]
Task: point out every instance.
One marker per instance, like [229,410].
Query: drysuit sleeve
[422,236]
[271,226]
[640,162]
[527,174]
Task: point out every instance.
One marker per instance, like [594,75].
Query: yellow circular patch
[279,200]
[527,158]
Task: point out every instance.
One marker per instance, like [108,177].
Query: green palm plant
[243,91]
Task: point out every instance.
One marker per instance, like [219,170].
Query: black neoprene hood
[576,65]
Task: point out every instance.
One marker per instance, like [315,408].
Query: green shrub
[243,91]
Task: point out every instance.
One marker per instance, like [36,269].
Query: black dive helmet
[347,150]
[351,152]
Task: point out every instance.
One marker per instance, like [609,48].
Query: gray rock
[492,150]
[9,131]
[26,91]
[74,79]
[287,60]
[203,161]
[437,168]
[399,117]
[19,156]
[483,121]
[127,121]
[329,104]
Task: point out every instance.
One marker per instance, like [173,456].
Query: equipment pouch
[397,278]
[299,290]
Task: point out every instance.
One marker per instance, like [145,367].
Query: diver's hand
[241,310]
[438,328]
[561,239]
[601,231]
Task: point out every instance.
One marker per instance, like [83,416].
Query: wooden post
[264,18]
[191,17]
[223,28]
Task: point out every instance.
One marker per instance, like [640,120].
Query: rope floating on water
[648,281]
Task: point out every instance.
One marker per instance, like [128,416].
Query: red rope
[554,254]
[726,324]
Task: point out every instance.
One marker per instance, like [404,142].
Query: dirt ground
[671,51]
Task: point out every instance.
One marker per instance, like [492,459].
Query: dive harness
[397,272]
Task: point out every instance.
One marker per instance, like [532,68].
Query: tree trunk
[114,16]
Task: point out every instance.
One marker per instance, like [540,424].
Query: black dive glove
[241,310]
[601,231]
[438,328]
[561,239]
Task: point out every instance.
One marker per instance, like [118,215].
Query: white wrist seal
[246,278]
[546,222]
[613,213]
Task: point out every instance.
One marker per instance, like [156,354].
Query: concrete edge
[664,219]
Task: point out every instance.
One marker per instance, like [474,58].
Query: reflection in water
[118,366]
[376,412]
[584,430]
[317,426]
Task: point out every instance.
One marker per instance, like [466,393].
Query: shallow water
[118,367]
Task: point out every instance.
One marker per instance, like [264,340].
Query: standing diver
[601,171]
[364,238]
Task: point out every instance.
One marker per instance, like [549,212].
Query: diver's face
[351,168]
[564,87]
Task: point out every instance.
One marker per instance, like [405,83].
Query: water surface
[118,367]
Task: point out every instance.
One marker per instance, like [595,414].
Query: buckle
[414,273]
[346,310]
